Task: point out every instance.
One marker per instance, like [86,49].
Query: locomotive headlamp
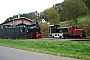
[24,26]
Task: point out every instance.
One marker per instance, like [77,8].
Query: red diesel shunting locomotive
[76,32]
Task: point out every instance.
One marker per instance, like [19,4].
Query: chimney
[18,15]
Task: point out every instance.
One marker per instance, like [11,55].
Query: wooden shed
[20,20]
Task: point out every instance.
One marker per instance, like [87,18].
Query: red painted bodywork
[38,35]
[74,31]
[29,35]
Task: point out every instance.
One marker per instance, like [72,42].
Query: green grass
[80,20]
[85,18]
[68,49]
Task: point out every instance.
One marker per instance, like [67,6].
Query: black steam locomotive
[20,31]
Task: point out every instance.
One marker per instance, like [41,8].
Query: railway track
[85,39]
[72,39]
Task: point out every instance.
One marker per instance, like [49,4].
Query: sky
[8,8]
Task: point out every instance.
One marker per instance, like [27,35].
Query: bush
[45,29]
[85,25]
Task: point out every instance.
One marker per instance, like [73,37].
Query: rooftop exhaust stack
[18,15]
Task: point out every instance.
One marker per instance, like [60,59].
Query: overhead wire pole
[41,20]
[36,15]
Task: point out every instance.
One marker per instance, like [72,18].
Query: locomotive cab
[55,31]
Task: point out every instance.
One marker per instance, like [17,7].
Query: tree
[57,4]
[87,2]
[74,9]
[44,14]
[85,25]
[53,16]
[45,28]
